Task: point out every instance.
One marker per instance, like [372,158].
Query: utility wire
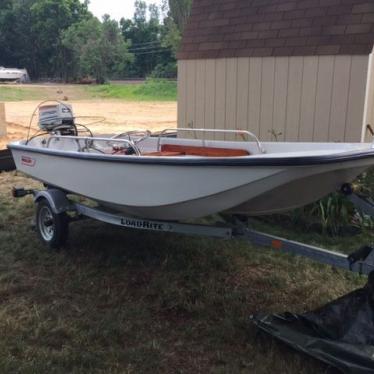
[151,52]
[145,48]
[146,43]
[148,50]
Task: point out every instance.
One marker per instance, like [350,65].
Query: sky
[115,8]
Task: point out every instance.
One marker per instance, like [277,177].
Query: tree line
[62,39]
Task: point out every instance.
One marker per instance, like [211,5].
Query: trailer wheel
[52,228]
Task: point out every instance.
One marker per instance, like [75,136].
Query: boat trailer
[55,211]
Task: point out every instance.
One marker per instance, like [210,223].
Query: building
[295,70]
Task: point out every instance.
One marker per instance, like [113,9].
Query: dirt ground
[102,116]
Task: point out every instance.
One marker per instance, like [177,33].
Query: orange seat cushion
[163,154]
[204,151]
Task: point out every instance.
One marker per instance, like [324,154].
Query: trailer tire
[52,228]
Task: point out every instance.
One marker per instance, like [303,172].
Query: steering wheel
[146,134]
[115,140]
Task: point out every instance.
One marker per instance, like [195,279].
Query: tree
[49,18]
[97,49]
[16,37]
[176,14]
[179,12]
[154,14]
[62,39]
[140,15]
[144,32]
[5,13]
[30,33]
[171,36]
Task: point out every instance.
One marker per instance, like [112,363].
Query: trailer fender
[56,198]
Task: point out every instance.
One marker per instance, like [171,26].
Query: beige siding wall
[318,98]
[369,104]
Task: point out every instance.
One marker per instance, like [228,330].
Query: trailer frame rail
[361,261]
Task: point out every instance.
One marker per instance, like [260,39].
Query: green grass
[151,90]
[123,301]
[20,94]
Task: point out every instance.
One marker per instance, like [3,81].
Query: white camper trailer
[14,75]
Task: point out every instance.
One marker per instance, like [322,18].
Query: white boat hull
[187,191]
[12,75]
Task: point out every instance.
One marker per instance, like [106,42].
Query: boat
[189,177]
[13,75]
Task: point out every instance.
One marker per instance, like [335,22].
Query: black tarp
[341,333]
[6,161]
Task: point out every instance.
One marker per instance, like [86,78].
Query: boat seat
[204,151]
[164,154]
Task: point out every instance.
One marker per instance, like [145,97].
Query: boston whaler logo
[28,161]
[145,225]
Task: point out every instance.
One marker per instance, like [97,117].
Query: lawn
[151,90]
[21,93]
[17,93]
[122,301]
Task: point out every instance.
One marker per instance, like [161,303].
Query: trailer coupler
[18,192]
[364,255]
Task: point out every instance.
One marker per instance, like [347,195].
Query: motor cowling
[57,118]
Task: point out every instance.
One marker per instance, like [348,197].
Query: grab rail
[219,131]
[88,140]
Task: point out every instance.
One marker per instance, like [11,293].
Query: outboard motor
[57,118]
